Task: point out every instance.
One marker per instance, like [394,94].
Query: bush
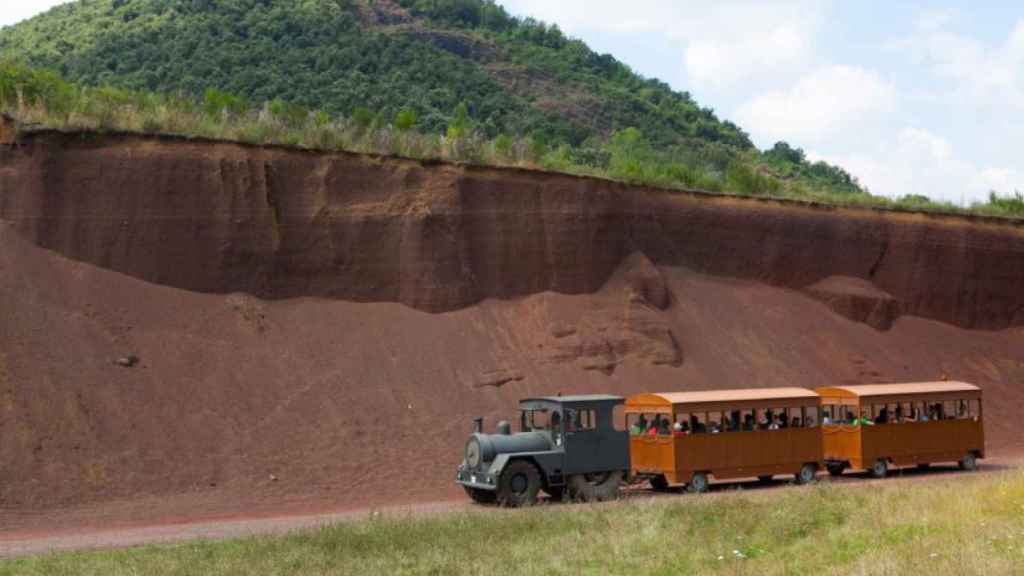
[405,120]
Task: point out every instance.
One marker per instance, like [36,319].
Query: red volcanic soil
[318,330]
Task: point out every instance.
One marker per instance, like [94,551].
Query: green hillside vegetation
[941,526]
[373,60]
[42,99]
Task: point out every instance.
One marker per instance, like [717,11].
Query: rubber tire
[528,497]
[659,483]
[582,489]
[806,475]
[880,469]
[481,496]
[969,462]
[698,484]
[836,470]
[765,479]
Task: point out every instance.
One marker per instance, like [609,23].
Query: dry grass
[955,524]
[40,99]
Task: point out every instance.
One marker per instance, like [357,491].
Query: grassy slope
[521,78]
[959,524]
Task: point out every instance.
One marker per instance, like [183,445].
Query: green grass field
[950,524]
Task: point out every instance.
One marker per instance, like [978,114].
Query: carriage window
[829,414]
[903,412]
[639,423]
[811,417]
[698,423]
[973,409]
[681,426]
[747,420]
[794,418]
[885,414]
[924,412]
[715,422]
[733,421]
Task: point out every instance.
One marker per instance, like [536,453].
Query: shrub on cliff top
[37,97]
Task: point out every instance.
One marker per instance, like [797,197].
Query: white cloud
[1002,180]
[15,11]
[920,162]
[721,44]
[993,73]
[923,141]
[822,104]
[719,63]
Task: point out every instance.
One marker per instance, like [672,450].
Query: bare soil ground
[137,389]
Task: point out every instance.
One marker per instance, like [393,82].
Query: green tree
[459,125]
[405,120]
[363,117]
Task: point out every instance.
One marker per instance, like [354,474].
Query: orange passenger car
[878,426]
[688,437]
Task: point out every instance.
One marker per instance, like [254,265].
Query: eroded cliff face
[514,284]
[222,218]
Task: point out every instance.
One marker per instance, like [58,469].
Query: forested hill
[516,76]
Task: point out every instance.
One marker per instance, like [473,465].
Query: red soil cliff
[221,218]
[323,326]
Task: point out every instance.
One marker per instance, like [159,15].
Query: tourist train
[587,447]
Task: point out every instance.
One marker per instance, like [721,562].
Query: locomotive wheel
[836,469]
[970,462]
[806,474]
[699,483]
[518,485]
[880,468]
[659,483]
[595,487]
[481,496]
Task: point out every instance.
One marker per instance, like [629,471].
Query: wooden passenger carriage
[734,451]
[922,424]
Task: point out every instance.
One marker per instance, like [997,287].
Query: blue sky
[911,97]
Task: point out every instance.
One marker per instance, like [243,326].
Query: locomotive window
[581,420]
[537,419]
[619,422]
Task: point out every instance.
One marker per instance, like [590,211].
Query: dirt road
[94,536]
